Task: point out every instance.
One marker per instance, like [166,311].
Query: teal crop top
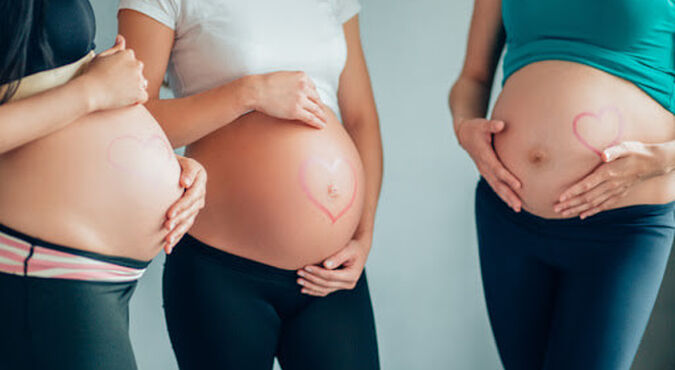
[631,39]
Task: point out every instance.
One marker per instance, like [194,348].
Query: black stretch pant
[58,324]
[569,294]
[229,313]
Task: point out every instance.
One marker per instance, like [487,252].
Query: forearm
[31,118]
[188,119]
[468,99]
[366,136]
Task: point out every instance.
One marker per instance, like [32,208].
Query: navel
[537,156]
[333,191]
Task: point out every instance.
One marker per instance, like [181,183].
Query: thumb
[189,172]
[120,44]
[337,260]
[614,152]
[494,126]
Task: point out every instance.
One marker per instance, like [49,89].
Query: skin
[285,94]
[623,165]
[114,79]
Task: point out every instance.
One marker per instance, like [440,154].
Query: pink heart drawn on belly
[334,169]
[127,151]
[598,118]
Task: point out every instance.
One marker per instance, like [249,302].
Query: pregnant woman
[89,192]
[273,266]
[574,211]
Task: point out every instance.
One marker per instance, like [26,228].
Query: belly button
[333,191]
[536,156]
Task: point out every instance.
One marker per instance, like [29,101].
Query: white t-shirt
[218,41]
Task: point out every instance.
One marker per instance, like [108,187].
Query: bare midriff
[279,192]
[103,184]
[560,116]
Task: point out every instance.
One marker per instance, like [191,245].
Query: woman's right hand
[116,78]
[291,96]
[475,136]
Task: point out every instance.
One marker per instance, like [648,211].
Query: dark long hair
[22,21]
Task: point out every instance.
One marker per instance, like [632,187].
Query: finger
[120,44]
[615,152]
[505,193]
[316,110]
[328,284]
[312,292]
[193,195]
[338,259]
[183,217]
[595,199]
[586,184]
[493,126]
[311,286]
[490,159]
[587,197]
[189,171]
[605,205]
[310,118]
[177,234]
[313,95]
[342,275]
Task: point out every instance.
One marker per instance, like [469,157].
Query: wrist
[89,92]
[458,123]
[663,156]
[249,92]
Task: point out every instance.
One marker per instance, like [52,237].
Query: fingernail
[172,225]
[301,273]
[329,264]
[308,268]
[556,209]
[188,182]
[301,282]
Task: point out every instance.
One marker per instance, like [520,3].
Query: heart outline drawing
[331,168]
[598,117]
[143,143]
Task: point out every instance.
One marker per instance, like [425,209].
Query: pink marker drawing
[151,143]
[331,168]
[597,117]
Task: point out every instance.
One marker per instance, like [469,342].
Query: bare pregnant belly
[560,116]
[279,192]
[102,184]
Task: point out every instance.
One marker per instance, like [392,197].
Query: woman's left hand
[182,214]
[623,166]
[339,271]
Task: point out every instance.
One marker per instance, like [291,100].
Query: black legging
[57,324]
[569,293]
[228,312]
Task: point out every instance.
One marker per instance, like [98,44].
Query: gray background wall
[423,269]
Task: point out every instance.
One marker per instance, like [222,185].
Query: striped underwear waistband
[20,257]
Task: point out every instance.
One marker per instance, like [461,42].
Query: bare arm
[114,79]
[288,95]
[359,115]
[469,99]
[343,269]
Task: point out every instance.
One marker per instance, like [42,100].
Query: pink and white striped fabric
[50,263]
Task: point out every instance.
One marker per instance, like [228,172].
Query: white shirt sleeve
[346,9]
[163,11]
